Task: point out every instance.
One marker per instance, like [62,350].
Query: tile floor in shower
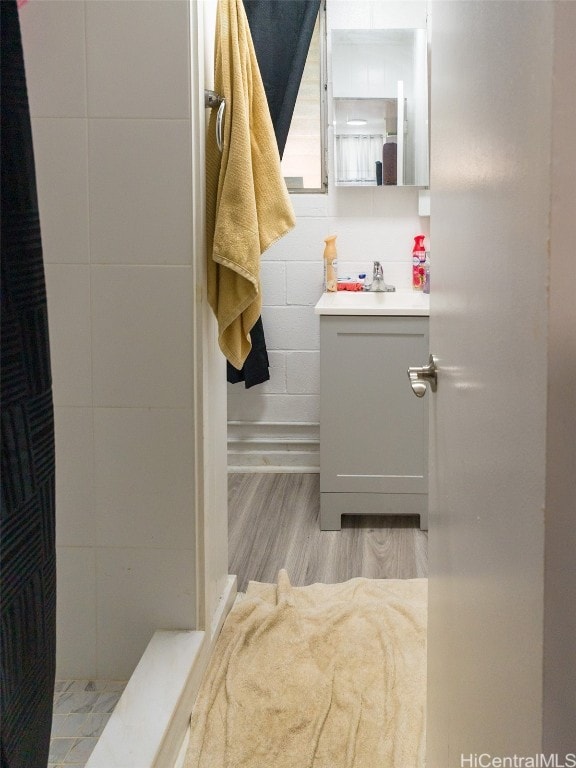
[81,710]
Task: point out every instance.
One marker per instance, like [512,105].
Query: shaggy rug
[324,676]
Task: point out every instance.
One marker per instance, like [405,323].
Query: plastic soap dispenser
[418,263]
[330,264]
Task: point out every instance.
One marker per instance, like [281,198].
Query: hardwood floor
[273,524]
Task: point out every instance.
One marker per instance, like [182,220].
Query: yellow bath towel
[247,203]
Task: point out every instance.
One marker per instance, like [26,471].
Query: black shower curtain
[281,31]
[28,561]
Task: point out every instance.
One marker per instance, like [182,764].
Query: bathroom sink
[399,302]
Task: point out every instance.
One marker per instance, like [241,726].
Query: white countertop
[402,302]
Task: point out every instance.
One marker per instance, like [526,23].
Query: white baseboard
[273,447]
[149,724]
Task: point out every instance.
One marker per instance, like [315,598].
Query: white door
[491,104]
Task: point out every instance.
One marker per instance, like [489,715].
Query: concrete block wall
[372,223]
[109,91]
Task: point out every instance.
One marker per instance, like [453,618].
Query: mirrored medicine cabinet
[380,107]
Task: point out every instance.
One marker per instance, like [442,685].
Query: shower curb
[150,721]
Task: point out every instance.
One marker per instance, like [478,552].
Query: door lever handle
[420,375]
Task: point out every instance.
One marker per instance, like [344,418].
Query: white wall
[109,89]
[372,223]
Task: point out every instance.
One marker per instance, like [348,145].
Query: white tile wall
[303,372]
[134,59]
[344,202]
[304,282]
[291,328]
[306,241]
[144,494]
[140,191]
[68,290]
[399,14]
[109,91]
[277,383]
[61,154]
[74,437]
[343,14]
[310,205]
[253,406]
[76,612]
[273,279]
[371,224]
[141,342]
[366,14]
[165,576]
[53,36]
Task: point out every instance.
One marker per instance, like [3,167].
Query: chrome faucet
[378,284]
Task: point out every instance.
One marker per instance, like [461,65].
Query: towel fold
[247,203]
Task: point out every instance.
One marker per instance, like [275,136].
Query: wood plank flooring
[273,524]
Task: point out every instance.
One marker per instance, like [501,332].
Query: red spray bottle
[418,263]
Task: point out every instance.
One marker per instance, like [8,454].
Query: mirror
[380,107]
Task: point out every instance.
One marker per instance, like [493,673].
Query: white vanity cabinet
[373,429]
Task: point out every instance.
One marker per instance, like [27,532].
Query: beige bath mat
[324,676]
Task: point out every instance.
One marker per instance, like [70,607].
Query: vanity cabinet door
[373,430]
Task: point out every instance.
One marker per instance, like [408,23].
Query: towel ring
[220,124]
[211,100]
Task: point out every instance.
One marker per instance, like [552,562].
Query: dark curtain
[281,31]
[28,562]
